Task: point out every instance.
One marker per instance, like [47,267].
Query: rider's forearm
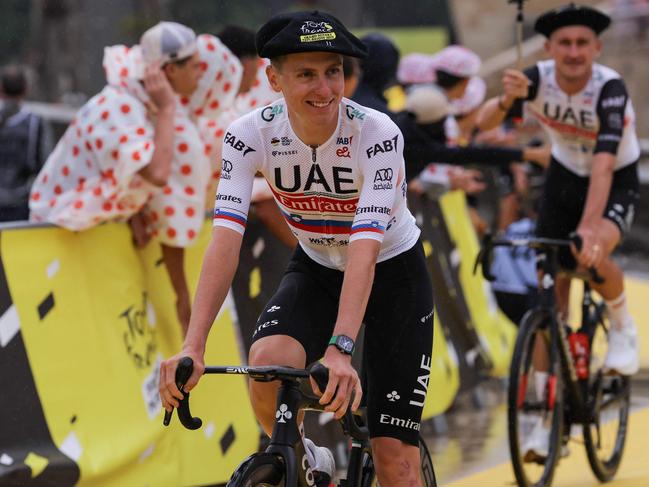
[601,178]
[158,170]
[491,114]
[219,266]
[357,285]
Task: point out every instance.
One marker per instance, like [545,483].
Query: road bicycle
[577,392]
[284,462]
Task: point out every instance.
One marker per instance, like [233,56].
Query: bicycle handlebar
[183,373]
[539,243]
[266,373]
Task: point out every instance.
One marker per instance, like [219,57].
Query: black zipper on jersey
[314,159]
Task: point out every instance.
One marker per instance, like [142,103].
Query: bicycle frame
[558,342]
[286,439]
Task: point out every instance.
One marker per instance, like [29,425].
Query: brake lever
[484,257]
[183,373]
[578,243]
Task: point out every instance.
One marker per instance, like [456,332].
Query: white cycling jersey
[600,118]
[351,187]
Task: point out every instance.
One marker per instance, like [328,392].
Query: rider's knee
[277,350]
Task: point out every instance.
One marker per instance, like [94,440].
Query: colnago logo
[402,423]
[228,197]
[373,209]
[237,144]
[422,382]
[269,113]
[316,203]
[383,147]
[282,414]
[273,308]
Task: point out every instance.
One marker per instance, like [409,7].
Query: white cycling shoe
[535,447]
[622,355]
[321,461]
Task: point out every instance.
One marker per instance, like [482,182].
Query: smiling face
[574,49]
[312,84]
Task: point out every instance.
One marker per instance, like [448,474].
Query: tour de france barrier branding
[86,319]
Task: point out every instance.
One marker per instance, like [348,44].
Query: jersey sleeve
[383,171]
[610,111]
[240,158]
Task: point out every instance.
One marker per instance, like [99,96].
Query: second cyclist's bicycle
[574,390]
[284,462]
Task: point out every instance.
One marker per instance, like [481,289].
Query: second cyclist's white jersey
[600,118]
[351,187]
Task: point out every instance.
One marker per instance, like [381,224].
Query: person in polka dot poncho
[133,151]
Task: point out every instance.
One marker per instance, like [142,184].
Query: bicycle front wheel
[609,398]
[368,476]
[534,404]
[259,470]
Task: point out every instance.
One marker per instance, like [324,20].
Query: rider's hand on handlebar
[592,249]
[343,379]
[169,392]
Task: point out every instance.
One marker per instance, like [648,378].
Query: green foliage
[14,30]
[427,40]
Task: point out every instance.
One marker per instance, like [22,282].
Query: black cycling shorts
[398,332]
[564,199]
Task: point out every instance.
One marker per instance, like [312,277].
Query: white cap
[458,61]
[167,42]
[427,103]
[416,68]
[473,97]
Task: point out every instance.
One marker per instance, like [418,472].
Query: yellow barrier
[93,317]
[94,330]
[496,332]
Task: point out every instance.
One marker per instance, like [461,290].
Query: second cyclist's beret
[305,32]
[571,14]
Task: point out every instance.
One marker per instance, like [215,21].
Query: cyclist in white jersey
[592,182]
[337,173]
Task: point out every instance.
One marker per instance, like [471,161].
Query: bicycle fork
[286,440]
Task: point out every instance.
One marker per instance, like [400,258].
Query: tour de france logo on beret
[316,31]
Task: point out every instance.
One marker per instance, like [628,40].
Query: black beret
[305,32]
[571,14]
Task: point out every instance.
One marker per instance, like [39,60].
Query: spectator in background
[352,74]
[379,71]
[23,146]
[131,143]
[432,164]
[241,42]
